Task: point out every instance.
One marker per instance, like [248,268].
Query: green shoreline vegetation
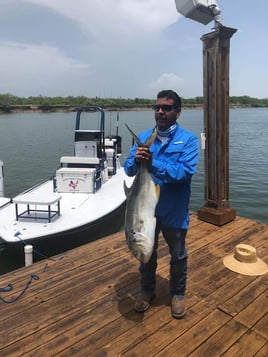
[12,104]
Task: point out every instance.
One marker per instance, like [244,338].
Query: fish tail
[126,189]
[134,136]
[148,143]
[151,138]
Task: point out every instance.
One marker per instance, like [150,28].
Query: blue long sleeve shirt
[173,164]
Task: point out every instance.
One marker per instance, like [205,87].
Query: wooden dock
[82,304]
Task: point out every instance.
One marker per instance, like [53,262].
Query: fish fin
[157,191]
[126,189]
[134,136]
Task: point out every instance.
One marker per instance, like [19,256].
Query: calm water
[31,145]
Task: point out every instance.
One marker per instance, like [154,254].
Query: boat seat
[79,161]
[87,143]
[86,148]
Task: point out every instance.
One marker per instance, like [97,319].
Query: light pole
[216,48]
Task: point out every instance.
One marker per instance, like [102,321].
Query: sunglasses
[164,107]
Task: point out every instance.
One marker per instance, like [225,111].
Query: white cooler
[72,179]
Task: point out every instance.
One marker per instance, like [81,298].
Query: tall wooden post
[216,48]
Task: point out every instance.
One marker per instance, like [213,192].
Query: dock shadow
[128,287]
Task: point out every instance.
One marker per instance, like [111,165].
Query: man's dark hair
[170,94]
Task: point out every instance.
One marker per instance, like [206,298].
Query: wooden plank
[91,318]
[149,324]
[221,340]
[211,270]
[232,286]
[252,299]
[54,280]
[255,314]
[246,345]
[261,326]
[182,337]
[102,287]
[97,249]
[83,304]
[67,295]
[211,234]
[263,352]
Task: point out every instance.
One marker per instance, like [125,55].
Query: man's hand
[143,154]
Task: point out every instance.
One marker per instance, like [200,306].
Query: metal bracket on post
[203,141]
[216,11]
[202,11]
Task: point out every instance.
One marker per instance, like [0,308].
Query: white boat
[85,191]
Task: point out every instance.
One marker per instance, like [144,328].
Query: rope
[18,234]
[10,288]
[33,276]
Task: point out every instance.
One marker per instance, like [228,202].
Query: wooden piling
[216,47]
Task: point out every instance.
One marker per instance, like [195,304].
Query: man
[172,160]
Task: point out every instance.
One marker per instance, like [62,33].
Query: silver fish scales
[142,198]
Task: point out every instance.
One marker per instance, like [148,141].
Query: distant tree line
[9,102]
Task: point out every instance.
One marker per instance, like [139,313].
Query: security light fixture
[202,11]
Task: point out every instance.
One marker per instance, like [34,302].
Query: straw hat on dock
[245,261]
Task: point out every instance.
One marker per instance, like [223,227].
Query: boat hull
[12,254]
[78,213]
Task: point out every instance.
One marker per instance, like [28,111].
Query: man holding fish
[163,159]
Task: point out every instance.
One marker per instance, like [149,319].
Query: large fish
[142,198]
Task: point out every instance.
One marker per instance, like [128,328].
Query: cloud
[166,81]
[125,18]
[105,47]
[37,69]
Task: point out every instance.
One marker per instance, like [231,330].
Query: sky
[124,48]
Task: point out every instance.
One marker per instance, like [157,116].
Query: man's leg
[175,239]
